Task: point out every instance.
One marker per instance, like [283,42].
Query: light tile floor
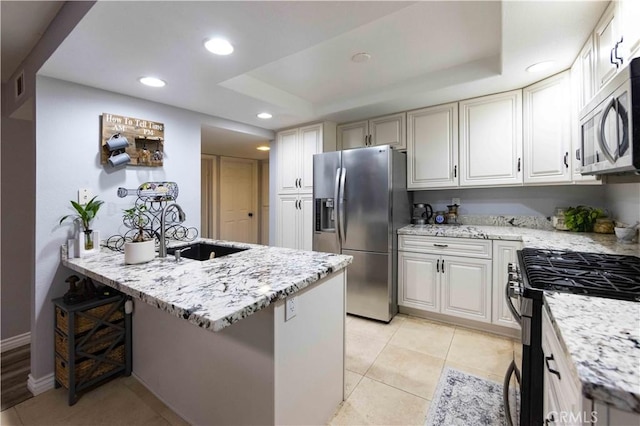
[392,373]
[393,369]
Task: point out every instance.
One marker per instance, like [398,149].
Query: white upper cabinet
[389,130]
[288,153]
[295,151]
[605,38]
[616,39]
[432,147]
[547,133]
[629,13]
[583,72]
[491,140]
[310,144]
[386,130]
[353,135]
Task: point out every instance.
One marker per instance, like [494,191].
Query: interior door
[238,200]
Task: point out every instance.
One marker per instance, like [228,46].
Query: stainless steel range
[539,270]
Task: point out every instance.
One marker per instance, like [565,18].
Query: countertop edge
[619,398]
[196,319]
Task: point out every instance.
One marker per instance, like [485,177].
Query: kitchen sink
[204,251]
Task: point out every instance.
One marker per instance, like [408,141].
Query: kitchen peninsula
[211,339]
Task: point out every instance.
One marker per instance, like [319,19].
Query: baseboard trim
[43,384]
[15,342]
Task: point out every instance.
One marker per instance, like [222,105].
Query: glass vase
[88,239]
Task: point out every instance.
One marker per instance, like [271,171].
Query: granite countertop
[600,336]
[602,339]
[534,238]
[215,293]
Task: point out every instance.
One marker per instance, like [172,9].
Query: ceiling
[23,23]
[293,59]
[217,141]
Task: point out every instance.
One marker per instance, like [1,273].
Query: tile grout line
[400,389]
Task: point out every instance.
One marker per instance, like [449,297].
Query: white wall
[68,158]
[624,201]
[518,201]
[18,177]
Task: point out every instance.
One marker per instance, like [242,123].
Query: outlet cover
[84,195]
[290,308]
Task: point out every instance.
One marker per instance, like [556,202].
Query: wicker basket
[83,368]
[100,340]
[83,323]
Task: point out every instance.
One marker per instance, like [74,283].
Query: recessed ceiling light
[263,148]
[219,46]
[265,115]
[361,57]
[540,66]
[152,81]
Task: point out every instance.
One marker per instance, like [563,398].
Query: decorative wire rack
[153,197]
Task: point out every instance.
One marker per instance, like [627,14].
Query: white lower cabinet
[562,396]
[431,280]
[295,221]
[504,252]
[563,402]
[419,281]
[466,287]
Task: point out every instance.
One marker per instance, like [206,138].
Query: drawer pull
[550,420]
[441,245]
[551,370]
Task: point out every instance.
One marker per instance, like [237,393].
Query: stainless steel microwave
[610,126]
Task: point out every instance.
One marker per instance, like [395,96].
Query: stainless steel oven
[521,386]
[540,270]
[610,126]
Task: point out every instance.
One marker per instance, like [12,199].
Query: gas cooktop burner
[594,274]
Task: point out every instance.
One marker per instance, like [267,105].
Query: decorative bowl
[625,235]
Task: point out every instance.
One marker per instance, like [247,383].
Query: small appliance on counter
[558,219]
[440,217]
[421,214]
[452,214]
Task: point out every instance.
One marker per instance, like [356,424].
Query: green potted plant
[142,247]
[581,218]
[85,214]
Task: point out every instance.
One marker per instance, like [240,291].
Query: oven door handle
[513,369]
[512,308]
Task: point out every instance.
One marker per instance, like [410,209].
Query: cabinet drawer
[467,247]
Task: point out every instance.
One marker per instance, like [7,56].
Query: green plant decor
[136,218]
[581,218]
[85,212]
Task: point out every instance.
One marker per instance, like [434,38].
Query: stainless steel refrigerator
[360,201]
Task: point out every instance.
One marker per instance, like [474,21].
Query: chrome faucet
[162,250]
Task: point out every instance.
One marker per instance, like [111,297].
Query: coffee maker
[421,214]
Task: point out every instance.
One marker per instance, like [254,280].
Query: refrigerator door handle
[336,195]
[342,228]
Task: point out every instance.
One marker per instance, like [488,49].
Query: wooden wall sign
[145,137]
